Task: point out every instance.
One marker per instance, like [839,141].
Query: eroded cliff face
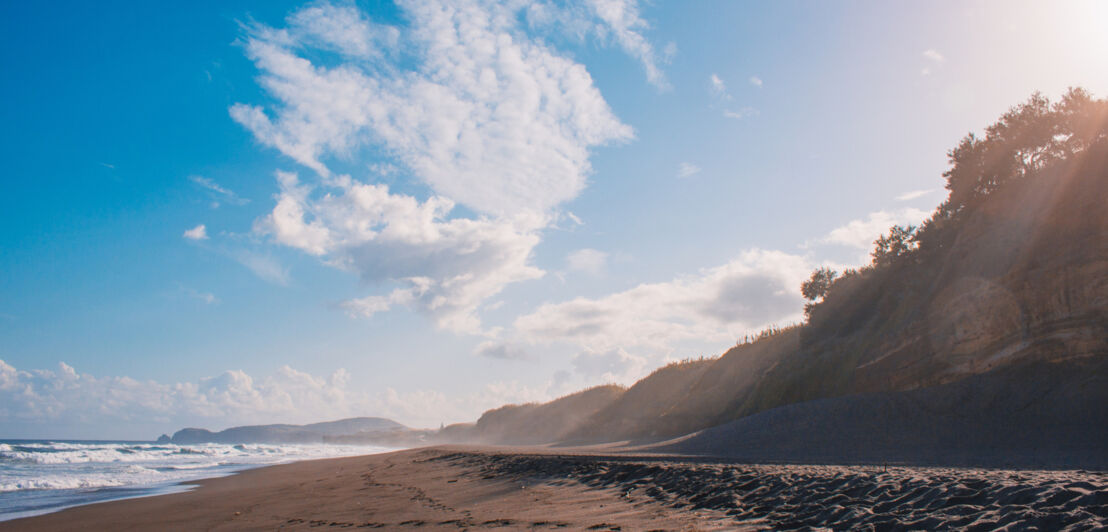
[1025,280]
[1021,280]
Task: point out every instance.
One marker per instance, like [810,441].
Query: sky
[225,213]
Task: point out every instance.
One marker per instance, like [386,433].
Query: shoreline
[155,490]
[459,487]
[259,498]
[45,476]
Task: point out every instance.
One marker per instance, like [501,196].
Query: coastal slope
[978,338]
[1038,415]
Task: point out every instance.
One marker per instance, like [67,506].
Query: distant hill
[368,427]
[533,423]
[542,423]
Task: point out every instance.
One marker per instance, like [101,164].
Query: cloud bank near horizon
[44,399]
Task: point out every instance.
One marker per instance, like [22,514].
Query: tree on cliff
[1025,139]
[898,243]
[816,287]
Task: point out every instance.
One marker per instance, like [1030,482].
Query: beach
[455,487]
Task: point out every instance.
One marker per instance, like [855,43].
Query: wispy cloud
[218,193]
[935,58]
[447,266]
[755,289]
[862,232]
[740,114]
[64,396]
[933,55]
[199,232]
[344,29]
[264,266]
[687,170]
[908,196]
[721,97]
[611,366]
[502,350]
[626,25]
[587,260]
[718,87]
[756,81]
[205,297]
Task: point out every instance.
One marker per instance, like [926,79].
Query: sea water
[42,476]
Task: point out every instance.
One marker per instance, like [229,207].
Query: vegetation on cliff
[1024,142]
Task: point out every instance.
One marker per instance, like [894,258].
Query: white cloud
[719,91]
[233,396]
[669,52]
[50,399]
[502,350]
[612,366]
[206,297]
[741,113]
[862,232]
[718,88]
[343,29]
[446,267]
[196,233]
[915,194]
[618,21]
[484,115]
[687,170]
[756,81]
[623,21]
[933,55]
[587,260]
[756,289]
[264,266]
[217,192]
[487,118]
[717,84]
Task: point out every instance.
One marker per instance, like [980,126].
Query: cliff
[1035,414]
[988,328]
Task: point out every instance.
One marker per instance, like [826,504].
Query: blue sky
[280,211]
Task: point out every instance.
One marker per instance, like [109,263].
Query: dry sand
[469,488]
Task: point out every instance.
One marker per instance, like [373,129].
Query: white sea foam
[131,475]
[83,466]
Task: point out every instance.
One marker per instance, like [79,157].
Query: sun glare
[1088,22]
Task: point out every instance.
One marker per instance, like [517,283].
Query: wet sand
[453,488]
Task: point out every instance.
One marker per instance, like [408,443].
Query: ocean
[42,476]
